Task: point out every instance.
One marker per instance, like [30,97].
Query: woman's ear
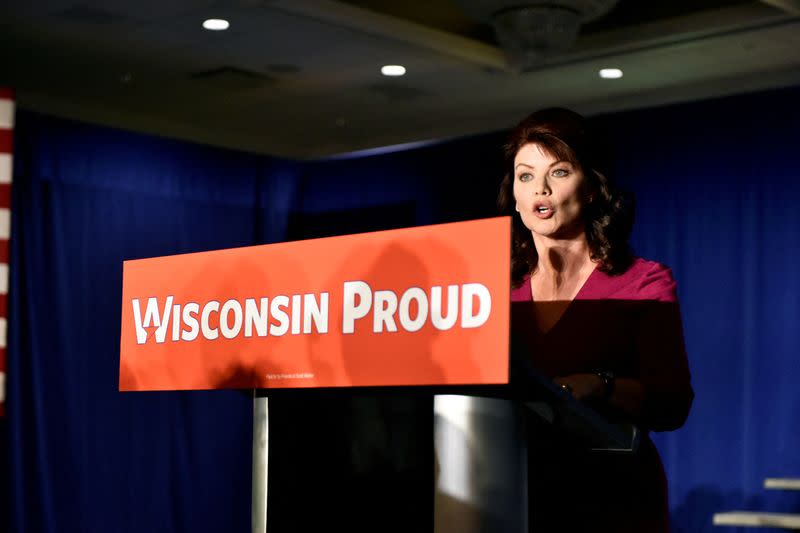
[516,206]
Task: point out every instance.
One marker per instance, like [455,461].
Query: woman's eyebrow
[551,165]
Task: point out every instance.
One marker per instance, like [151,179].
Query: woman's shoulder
[522,293]
[642,280]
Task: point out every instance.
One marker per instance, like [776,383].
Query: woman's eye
[524,177]
[560,172]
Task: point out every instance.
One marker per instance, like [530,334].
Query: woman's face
[549,193]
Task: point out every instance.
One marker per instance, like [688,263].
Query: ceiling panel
[300,78]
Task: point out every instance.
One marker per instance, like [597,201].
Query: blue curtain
[716,186]
[83,456]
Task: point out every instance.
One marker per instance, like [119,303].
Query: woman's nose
[540,186]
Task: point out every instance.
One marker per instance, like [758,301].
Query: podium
[420,311]
[480,448]
[483,482]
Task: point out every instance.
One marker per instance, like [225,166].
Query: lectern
[420,310]
[480,447]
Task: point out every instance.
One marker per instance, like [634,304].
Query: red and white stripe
[6,133]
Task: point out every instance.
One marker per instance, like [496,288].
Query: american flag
[6,131]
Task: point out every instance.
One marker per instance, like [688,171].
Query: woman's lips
[543,211]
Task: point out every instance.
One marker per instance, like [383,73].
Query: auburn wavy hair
[608,213]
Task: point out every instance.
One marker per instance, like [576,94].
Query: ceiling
[301,78]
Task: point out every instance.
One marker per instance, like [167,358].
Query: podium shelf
[753,519]
[782,483]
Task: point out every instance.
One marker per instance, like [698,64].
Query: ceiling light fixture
[610,73]
[216,24]
[531,31]
[393,70]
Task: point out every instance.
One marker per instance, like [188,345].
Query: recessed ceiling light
[216,24]
[610,73]
[393,70]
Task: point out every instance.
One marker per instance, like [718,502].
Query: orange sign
[418,306]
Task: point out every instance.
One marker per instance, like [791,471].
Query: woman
[602,323]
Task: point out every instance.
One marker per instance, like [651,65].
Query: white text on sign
[469,305]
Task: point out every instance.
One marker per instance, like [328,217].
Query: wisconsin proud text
[468,305]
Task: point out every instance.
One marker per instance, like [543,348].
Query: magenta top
[644,280]
[628,324]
